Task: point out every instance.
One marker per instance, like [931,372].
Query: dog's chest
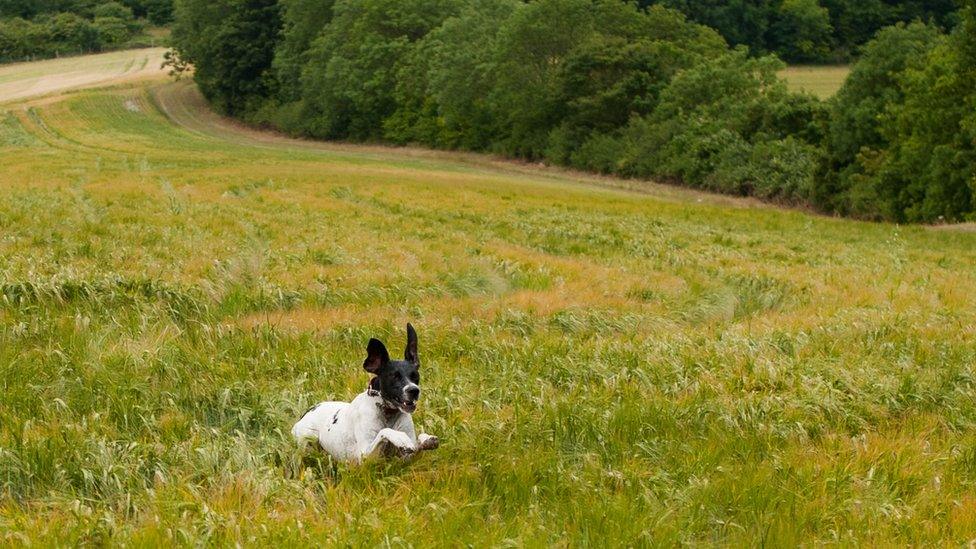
[341,427]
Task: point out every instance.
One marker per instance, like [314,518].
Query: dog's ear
[410,355]
[376,356]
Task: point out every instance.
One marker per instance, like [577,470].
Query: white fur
[354,431]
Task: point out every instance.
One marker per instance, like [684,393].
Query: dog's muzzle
[411,394]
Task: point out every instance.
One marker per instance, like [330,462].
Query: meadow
[824,81]
[606,362]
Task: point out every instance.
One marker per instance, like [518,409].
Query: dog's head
[398,381]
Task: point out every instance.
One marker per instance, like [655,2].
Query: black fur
[393,376]
[310,409]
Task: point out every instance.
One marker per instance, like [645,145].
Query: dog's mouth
[408,406]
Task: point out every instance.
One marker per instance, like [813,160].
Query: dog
[378,421]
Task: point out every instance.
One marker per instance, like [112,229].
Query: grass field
[822,81]
[28,80]
[606,362]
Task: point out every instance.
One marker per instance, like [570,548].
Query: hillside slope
[603,365]
[27,80]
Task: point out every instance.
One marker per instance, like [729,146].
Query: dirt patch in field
[963,227]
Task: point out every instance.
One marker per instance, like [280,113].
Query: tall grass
[603,367]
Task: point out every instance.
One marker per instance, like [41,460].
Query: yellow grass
[822,81]
[607,362]
[25,80]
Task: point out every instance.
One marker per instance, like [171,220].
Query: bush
[20,39]
[729,125]
[69,33]
[45,29]
[112,31]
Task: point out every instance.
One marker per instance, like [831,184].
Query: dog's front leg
[387,442]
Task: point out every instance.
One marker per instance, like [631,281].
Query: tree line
[809,31]
[31,29]
[605,86]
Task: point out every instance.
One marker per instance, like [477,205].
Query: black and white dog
[377,421]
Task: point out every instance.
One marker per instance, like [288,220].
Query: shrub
[729,125]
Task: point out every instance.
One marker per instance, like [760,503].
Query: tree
[111,31]
[728,124]
[19,39]
[801,31]
[444,88]
[70,33]
[606,80]
[929,170]
[114,23]
[158,12]
[302,22]
[874,86]
[231,44]
[798,31]
[350,78]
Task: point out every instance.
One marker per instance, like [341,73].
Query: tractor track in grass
[29,80]
[185,106]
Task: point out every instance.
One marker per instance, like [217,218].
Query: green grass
[822,81]
[604,367]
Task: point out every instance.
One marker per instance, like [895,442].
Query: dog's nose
[413,393]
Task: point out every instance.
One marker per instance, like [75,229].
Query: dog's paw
[428,442]
[402,443]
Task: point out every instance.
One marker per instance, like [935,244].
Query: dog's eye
[415,377]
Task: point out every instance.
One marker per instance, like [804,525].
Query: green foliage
[71,33]
[729,125]
[231,44]
[873,88]
[903,139]
[19,39]
[928,171]
[606,80]
[302,20]
[350,80]
[801,31]
[606,86]
[808,30]
[596,85]
[453,68]
[158,12]
[855,22]
[111,30]
[114,9]
[48,29]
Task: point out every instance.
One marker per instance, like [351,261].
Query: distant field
[822,81]
[21,80]
[632,366]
